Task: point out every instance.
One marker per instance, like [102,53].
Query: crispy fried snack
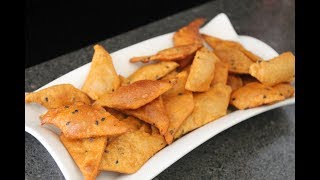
[57,95]
[234,81]
[237,61]
[220,73]
[277,70]
[208,106]
[153,113]
[102,77]
[285,89]
[83,121]
[171,54]
[201,71]
[86,153]
[189,34]
[136,94]
[153,71]
[214,42]
[253,95]
[178,108]
[128,152]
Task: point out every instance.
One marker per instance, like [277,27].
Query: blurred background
[54,28]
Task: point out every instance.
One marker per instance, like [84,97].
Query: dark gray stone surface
[262,147]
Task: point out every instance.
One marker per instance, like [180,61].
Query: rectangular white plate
[219,26]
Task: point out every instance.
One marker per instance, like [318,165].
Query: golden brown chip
[136,94]
[189,34]
[83,121]
[87,154]
[102,77]
[237,62]
[128,152]
[57,96]
[171,54]
[277,70]
[214,42]
[153,71]
[208,106]
[253,95]
[153,113]
[178,88]
[220,73]
[178,108]
[234,81]
[201,71]
[246,79]
[285,89]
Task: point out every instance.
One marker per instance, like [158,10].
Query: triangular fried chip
[83,121]
[277,70]
[178,108]
[214,42]
[136,94]
[153,71]
[237,62]
[102,77]
[128,152]
[153,113]
[208,106]
[201,71]
[86,153]
[253,95]
[189,34]
[176,53]
[57,96]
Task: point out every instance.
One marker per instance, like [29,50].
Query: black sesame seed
[102,119]
[68,123]
[117,161]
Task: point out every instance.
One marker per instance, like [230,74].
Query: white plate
[219,26]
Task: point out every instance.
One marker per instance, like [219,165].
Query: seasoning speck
[179,94]
[97,122]
[233,99]
[281,94]
[102,119]
[46,99]
[112,90]
[171,132]
[264,96]
[167,67]
[75,111]
[106,151]
[117,161]
[66,106]
[68,123]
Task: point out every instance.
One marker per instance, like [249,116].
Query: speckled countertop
[262,147]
